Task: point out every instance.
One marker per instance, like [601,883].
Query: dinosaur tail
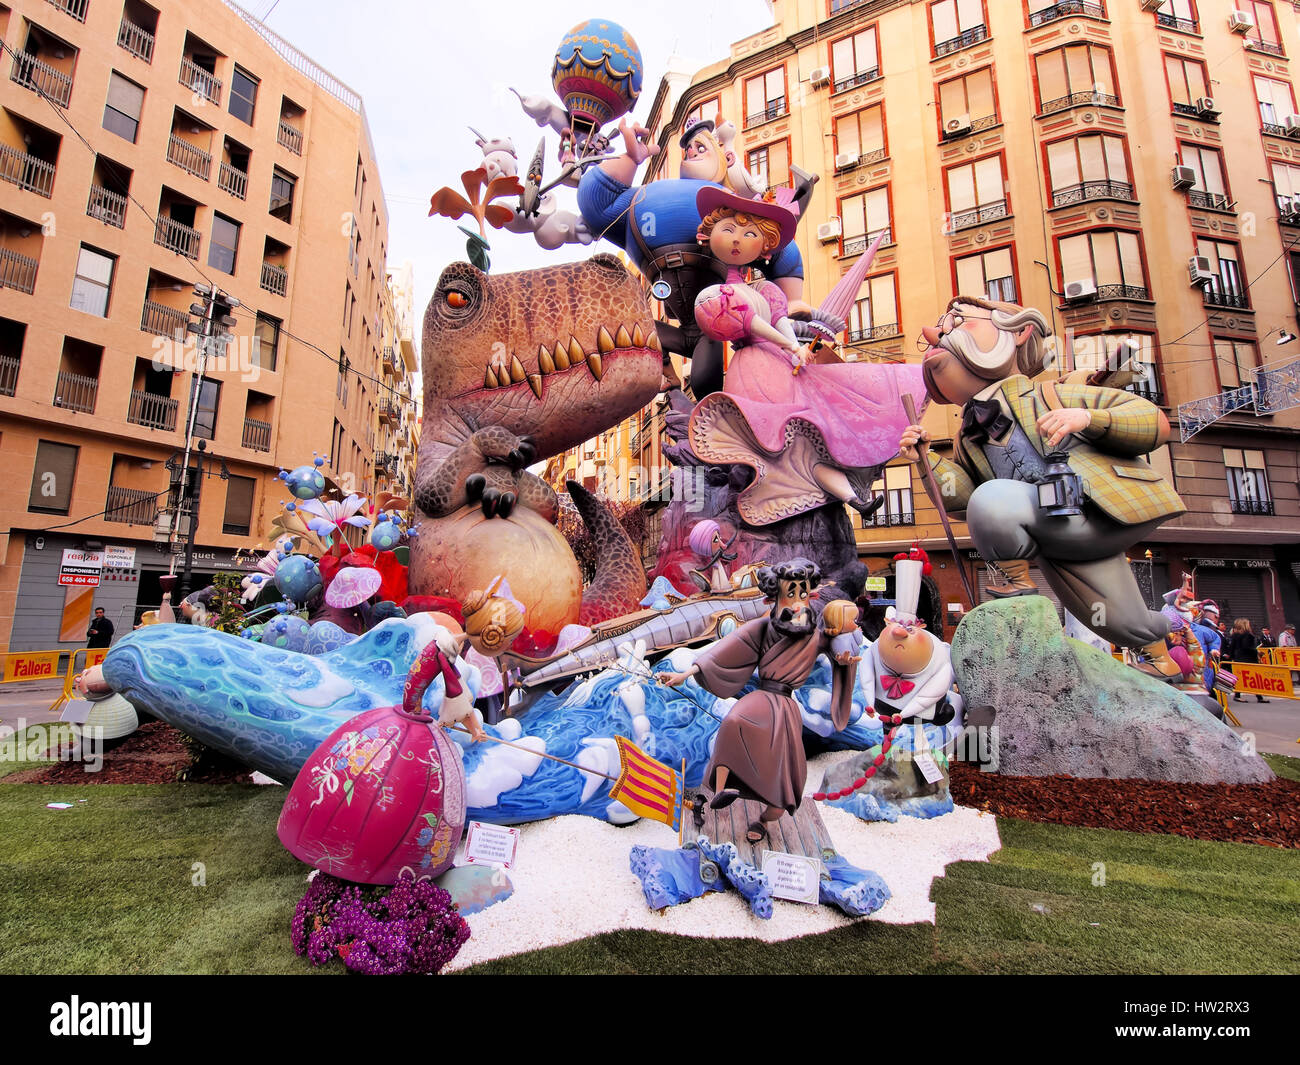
[619,585]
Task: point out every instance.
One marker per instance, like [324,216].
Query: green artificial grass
[107,887]
[1283,765]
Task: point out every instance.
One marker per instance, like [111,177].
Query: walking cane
[932,490]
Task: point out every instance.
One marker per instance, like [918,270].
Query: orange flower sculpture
[451,204]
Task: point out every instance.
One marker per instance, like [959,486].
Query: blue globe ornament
[288,632]
[305,482]
[298,577]
[386,535]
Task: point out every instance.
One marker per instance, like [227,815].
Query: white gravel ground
[572,880]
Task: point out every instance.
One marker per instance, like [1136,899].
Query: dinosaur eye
[456,299]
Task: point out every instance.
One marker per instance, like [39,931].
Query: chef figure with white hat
[908,671]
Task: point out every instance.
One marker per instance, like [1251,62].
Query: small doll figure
[706,542]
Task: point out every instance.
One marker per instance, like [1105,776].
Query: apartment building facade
[1128,167]
[144,150]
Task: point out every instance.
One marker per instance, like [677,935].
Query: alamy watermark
[57,741]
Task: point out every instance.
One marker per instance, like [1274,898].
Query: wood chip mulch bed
[154,754]
[1267,814]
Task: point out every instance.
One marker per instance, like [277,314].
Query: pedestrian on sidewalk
[1242,647]
[100,633]
[1287,636]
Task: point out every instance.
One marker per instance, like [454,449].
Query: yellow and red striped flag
[646,787]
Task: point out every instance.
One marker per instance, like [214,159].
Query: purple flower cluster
[412,927]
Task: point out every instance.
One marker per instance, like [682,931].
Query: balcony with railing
[189,157]
[857,245]
[1217,296]
[161,320]
[864,77]
[391,365]
[1064,10]
[232,180]
[76,8]
[773,111]
[988,212]
[1079,99]
[876,155]
[1288,210]
[26,171]
[1093,190]
[874,332]
[1211,201]
[153,412]
[194,77]
[17,271]
[275,279]
[289,137]
[1122,292]
[884,519]
[131,506]
[8,374]
[107,206]
[257,435]
[963,40]
[177,236]
[135,39]
[1148,390]
[1173,22]
[976,124]
[41,78]
[1255,44]
[1252,506]
[76,391]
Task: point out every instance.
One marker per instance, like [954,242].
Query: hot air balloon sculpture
[384,792]
[597,73]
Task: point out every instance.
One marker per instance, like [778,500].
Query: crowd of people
[1242,645]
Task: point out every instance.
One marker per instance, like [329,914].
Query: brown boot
[1015,579]
[1159,664]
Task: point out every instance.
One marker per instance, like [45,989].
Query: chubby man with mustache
[981,355]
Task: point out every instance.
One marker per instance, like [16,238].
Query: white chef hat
[907,590]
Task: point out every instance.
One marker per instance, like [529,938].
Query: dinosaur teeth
[489,379]
[544,361]
[516,369]
[638,337]
[576,354]
[561,356]
[535,383]
[594,365]
[621,339]
[652,341]
[604,342]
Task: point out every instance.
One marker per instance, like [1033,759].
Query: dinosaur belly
[464,551]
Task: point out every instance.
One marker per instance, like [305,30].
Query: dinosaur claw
[506,504]
[474,486]
[491,500]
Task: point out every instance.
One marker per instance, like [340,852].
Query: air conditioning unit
[1205,106]
[956,126]
[846,160]
[1241,22]
[1292,125]
[1198,270]
[1076,291]
[1152,5]
[829,231]
[820,76]
[1184,177]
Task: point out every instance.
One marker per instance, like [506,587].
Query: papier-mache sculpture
[1049,472]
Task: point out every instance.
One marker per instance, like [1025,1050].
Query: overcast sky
[428,68]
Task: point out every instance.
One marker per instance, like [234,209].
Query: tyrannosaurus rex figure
[521,367]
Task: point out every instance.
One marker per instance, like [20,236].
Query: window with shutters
[243,95]
[1075,75]
[1248,490]
[1125,350]
[1276,104]
[1211,188]
[957,24]
[967,104]
[1091,167]
[92,285]
[855,60]
[1227,284]
[1110,258]
[1188,82]
[266,349]
[896,486]
[123,107]
[707,110]
[874,315]
[990,275]
[224,245]
[1178,15]
[238,518]
[765,97]
[205,408]
[52,477]
[1235,362]
[1263,37]
[861,134]
[282,186]
[770,163]
[863,218]
[976,193]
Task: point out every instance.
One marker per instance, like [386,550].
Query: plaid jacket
[1105,455]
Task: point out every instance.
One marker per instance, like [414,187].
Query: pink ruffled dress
[845,415]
